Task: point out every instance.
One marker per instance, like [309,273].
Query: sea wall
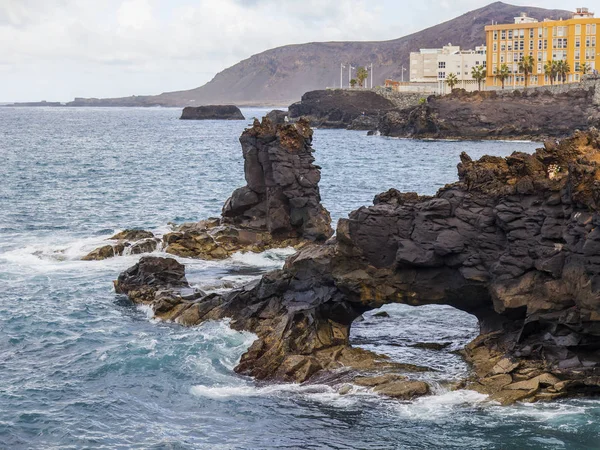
[589,83]
[402,100]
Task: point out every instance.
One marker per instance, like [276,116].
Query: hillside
[281,75]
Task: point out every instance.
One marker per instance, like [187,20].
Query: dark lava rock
[336,108]
[280,206]
[381,315]
[536,115]
[212,112]
[514,242]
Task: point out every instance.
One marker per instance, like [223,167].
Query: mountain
[281,75]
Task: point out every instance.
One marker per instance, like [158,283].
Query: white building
[434,66]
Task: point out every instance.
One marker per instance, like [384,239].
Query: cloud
[123,47]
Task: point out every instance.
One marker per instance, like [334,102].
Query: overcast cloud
[60,49]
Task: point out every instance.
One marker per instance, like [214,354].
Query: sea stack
[280,206]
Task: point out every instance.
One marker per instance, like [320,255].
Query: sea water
[81,367]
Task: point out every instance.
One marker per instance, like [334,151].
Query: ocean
[81,367]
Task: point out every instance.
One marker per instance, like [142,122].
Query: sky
[57,50]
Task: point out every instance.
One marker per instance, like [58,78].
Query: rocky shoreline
[513,242]
[534,114]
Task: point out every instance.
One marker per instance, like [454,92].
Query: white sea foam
[435,406]
[270,258]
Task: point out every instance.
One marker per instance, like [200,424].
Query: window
[577,42]
[577,54]
[530,45]
[503,34]
[590,54]
[495,46]
[510,34]
[540,32]
[494,58]
[577,66]
[539,44]
[531,33]
[522,45]
[502,60]
[545,44]
[521,33]
[495,35]
[442,65]
[593,41]
[441,75]
[539,67]
[484,64]
[578,30]
[510,46]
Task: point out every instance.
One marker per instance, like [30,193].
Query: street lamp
[403,70]
[342,67]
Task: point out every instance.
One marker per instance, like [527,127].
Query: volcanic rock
[336,108]
[279,207]
[514,242]
[212,112]
[534,114]
[135,241]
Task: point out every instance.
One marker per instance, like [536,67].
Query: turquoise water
[83,368]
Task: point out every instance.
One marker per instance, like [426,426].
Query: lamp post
[403,70]
[350,73]
[371,75]
[342,67]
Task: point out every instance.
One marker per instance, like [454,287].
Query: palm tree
[362,74]
[452,81]
[502,74]
[479,74]
[562,69]
[551,70]
[526,68]
[585,69]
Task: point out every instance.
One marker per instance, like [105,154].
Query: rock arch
[515,242]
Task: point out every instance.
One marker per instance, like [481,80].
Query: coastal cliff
[532,114]
[337,108]
[514,243]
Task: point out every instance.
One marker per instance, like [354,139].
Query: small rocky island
[212,112]
[515,243]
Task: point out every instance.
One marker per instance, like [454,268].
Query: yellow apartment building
[575,40]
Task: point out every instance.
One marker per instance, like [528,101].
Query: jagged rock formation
[212,112]
[280,205]
[534,114]
[336,108]
[134,241]
[515,243]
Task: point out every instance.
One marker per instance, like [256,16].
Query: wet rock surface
[212,112]
[532,115]
[336,108]
[513,243]
[128,241]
